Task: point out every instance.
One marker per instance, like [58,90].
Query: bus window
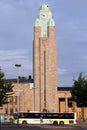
[36,115]
[49,116]
[55,116]
[61,115]
[71,116]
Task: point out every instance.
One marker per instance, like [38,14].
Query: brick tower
[45,61]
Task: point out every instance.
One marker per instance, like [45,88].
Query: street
[41,127]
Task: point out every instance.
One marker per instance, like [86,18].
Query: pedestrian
[41,119]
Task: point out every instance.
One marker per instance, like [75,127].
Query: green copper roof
[44,19]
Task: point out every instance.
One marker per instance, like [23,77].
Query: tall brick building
[45,61]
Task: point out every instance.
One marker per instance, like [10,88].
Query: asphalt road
[41,127]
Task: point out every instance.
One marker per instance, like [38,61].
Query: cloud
[17,19]
[12,54]
[61,71]
[8,59]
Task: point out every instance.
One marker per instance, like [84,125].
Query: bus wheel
[61,123]
[24,122]
[55,123]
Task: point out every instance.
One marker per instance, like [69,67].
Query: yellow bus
[45,118]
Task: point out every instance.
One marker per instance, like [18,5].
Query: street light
[18,99]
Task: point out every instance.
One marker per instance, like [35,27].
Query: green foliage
[6,89]
[79,91]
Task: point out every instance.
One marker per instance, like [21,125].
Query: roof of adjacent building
[64,88]
[30,80]
[22,80]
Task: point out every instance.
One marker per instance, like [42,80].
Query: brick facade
[45,70]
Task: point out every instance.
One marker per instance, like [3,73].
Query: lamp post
[18,99]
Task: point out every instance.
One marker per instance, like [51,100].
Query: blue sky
[17,19]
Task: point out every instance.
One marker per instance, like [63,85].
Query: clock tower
[45,61]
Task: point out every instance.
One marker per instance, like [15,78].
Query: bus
[45,118]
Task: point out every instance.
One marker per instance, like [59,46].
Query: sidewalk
[82,122]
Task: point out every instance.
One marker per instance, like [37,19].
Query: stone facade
[24,92]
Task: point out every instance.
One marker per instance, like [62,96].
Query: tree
[79,93]
[6,89]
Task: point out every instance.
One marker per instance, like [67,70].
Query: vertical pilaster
[66,102]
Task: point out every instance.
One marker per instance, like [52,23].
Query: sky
[17,18]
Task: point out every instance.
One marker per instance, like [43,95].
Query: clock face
[43,16]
